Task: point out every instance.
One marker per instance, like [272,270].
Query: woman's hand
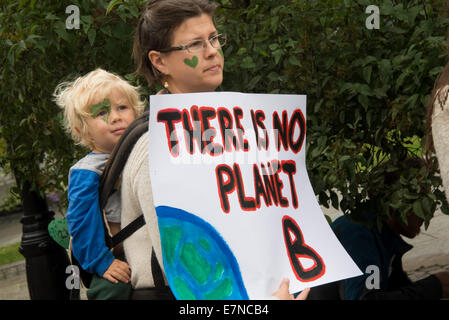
[283,294]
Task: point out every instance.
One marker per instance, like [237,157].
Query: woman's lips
[213,68]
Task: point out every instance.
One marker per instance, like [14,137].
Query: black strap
[132,227]
[156,270]
[117,161]
[124,233]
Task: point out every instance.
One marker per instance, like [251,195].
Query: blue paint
[216,254]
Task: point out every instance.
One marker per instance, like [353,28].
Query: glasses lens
[195,46]
[218,41]
[222,39]
[198,45]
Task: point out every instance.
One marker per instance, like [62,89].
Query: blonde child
[98,107]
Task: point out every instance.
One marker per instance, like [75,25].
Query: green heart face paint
[102,109]
[192,62]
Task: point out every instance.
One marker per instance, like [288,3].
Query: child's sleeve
[85,222]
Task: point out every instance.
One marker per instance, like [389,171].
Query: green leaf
[112,4]
[254,82]
[247,63]
[418,209]
[51,16]
[277,55]
[367,74]
[294,61]
[273,46]
[435,71]
[91,34]
[242,51]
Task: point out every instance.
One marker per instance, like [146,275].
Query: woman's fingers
[303,295]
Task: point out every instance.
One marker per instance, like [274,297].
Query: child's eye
[101,113]
[123,107]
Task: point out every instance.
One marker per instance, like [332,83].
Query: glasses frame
[186,46]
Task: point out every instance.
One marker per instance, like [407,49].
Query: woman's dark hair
[156,26]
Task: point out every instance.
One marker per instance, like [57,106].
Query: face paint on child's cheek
[192,63]
[220,51]
[104,105]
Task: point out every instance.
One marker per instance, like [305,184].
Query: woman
[177,45]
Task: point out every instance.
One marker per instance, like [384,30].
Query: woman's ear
[158,61]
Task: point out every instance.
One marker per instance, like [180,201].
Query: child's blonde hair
[75,98]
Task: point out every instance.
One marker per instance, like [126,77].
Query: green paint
[204,244]
[183,290]
[104,105]
[191,259]
[223,291]
[218,272]
[191,63]
[59,232]
[171,238]
[220,51]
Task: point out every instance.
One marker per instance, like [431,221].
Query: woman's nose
[209,49]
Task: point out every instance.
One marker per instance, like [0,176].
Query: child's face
[109,119]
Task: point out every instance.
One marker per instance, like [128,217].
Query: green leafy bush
[37,52]
[366,89]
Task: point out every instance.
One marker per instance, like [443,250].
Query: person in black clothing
[379,254]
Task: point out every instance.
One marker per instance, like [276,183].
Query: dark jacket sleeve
[426,289]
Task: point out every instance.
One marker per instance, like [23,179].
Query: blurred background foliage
[367,90]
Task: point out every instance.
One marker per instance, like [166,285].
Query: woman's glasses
[198,45]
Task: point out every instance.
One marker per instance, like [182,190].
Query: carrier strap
[156,270]
[124,233]
[114,166]
[132,227]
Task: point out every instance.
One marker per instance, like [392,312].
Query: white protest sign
[235,206]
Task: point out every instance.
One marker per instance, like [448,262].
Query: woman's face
[193,72]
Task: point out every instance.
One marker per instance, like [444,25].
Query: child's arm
[85,222]
[118,271]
